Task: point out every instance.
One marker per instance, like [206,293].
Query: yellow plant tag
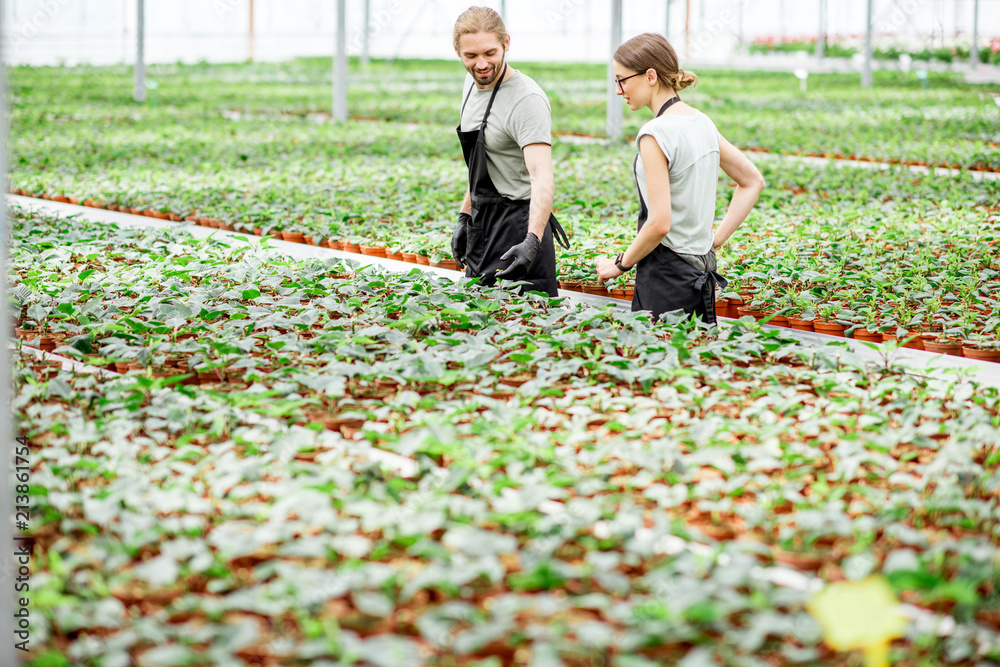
[859,615]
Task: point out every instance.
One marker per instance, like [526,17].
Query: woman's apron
[499,223]
[666,281]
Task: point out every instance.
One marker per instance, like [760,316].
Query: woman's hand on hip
[606,269]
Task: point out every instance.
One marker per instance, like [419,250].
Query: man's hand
[606,269]
[460,239]
[523,255]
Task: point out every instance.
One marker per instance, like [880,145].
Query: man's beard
[490,78]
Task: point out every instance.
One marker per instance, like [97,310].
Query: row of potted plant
[894,120]
[967,319]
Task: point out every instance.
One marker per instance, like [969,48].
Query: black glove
[460,239]
[523,255]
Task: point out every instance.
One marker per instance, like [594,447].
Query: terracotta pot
[61,199]
[596,290]
[954,348]
[210,377]
[573,286]
[981,355]
[756,314]
[829,328]
[447,264]
[410,257]
[45,341]
[722,307]
[373,250]
[776,320]
[867,336]
[397,256]
[258,231]
[801,325]
[293,237]
[350,247]
[630,292]
[916,344]
[801,561]
[334,244]
[617,293]
[310,240]
[423,260]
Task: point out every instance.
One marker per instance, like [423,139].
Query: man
[504,225]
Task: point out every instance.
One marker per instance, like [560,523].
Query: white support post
[366,35]
[614,121]
[250,34]
[666,23]
[503,10]
[866,72]
[139,94]
[687,29]
[974,51]
[821,38]
[7,626]
[340,65]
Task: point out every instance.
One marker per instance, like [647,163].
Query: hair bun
[685,79]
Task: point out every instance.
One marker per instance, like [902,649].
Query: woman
[677,172]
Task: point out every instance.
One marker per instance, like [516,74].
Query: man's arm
[466,203]
[538,159]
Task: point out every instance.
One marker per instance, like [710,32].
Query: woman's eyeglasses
[623,80]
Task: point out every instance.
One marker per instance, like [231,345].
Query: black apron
[498,223]
[665,281]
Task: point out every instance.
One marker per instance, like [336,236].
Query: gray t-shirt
[521,115]
[691,144]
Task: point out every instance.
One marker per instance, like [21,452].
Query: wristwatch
[622,267]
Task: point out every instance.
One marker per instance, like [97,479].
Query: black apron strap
[496,89]
[558,233]
[466,101]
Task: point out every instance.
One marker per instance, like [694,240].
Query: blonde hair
[479,19]
[652,51]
